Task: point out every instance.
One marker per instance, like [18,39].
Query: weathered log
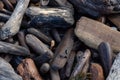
[105,54]
[8,5]
[96,8]
[92,33]
[115,69]
[51,17]
[4,17]
[45,68]
[13,24]
[28,70]
[38,46]
[63,50]
[41,36]
[80,65]
[56,35]
[96,72]
[115,20]
[54,75]
[69,64]
[79,55]
[21,38]
[13,49]
[7,72]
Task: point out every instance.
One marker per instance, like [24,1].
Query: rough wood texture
[96,72]
[105,54]
[40,35]
[63,50]
[38,46]
[7,72]
[115,69]
[92,33]
[69,64]
[52,17]
[115,20]
[80,65]
[28,70]
[13,24]
[54,75]
[13,49]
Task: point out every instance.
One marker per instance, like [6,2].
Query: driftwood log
[115,69]
[96,72]
[63,50]
[41,36]
[7,72]
[38,46]
[54,75]
[28,70]
[92,33]
[13,49]
[13,24]
[79,68]
[51,17]
[105,54]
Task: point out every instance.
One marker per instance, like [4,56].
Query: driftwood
[38,46]
[21,39]
[54,75]
[115,20]
[41,36]
[13,24]
[13,1]
[81,65]
[69,64]
[93,36]
[28,70]
[96,8]
[4,17]
[51,17]
[63,50]
[7,72]
[8,5]
[56,35]
[13,49]
[105,54]
[96,72]
[115,69]
[45,68]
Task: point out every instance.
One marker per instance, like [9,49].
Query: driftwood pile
[59,40]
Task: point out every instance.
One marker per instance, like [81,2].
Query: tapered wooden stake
[12,26]
[28,70]
[63,50]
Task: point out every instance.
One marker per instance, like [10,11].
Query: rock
[92,33]
[7,72]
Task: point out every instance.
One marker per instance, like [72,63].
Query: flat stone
[92,33]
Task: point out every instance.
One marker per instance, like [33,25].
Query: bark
[92,33]
[28,70]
